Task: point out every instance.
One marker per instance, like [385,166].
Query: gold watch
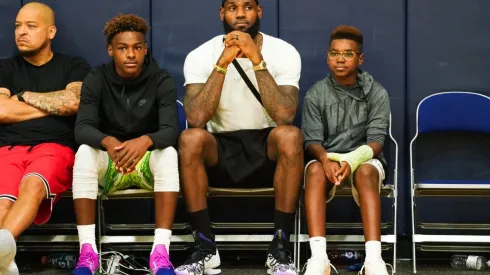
[262,66]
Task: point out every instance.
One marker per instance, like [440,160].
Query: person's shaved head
[34,28]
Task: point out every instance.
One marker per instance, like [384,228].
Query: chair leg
[414,259]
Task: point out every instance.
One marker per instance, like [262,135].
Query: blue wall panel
[8,12]
[448,49]
[81,24]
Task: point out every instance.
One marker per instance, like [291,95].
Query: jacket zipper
[128,125]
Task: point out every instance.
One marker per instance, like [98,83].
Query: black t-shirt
[16,74]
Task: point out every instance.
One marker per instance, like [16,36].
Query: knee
[33,187]
[191,142]
[314,172]
[366,177]
[289,140]
[166,174]
[85,156]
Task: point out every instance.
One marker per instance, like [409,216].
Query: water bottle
[469,262]
[60,260]
[345,257]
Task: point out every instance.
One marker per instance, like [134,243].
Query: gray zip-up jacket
[341,119]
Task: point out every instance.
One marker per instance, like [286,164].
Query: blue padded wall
[307,25]
[448,49]
[181,26]
[81,24]
[8,12]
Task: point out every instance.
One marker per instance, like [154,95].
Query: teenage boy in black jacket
[127,126]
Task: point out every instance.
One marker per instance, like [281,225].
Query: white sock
[86,234]
[162,236]
[8,248]
[12,269]
[318,246]
[373,250]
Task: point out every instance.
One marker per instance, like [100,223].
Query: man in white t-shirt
[246,143]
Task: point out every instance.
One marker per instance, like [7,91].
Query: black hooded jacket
[111,106]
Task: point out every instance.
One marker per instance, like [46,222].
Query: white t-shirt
[238,108]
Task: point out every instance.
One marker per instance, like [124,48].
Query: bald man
[39,97]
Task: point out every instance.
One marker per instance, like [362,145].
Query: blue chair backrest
[182,118]
[454,111]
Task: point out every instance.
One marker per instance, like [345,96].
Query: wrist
[106,141]
[147,141]
[222,64]
[256,60]
[22,96]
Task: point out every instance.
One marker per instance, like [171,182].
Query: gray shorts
[350,182]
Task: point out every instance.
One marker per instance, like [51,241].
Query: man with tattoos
[127,128]
[246,144]
[39,97]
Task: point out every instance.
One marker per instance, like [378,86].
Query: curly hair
[124,23]
[348,32]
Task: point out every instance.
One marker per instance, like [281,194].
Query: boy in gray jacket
[345,120]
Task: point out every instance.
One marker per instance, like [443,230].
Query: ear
[222,14]
[259,11]
[109,50]
[52,32]
[146,48]
[361,59]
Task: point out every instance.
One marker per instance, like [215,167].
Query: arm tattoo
[202,101]
[59,103]
[280,102]
[2,93]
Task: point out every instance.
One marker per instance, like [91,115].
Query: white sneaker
[10,270]
[375,267]
[204,260]
[8,249]
[319,266]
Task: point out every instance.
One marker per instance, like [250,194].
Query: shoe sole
[212,271]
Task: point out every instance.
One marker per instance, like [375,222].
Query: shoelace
[162,262]
[327,262]
[85,261]
[380,261]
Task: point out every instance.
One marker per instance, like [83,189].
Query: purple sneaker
[88,262]
[159,261]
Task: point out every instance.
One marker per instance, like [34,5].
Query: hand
[14,97]
[343,173]
[129,153]
[331,168]
[110,143]
[246,44]
[228,55]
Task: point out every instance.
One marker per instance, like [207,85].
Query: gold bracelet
[220,70]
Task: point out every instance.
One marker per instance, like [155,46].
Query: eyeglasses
[346,55]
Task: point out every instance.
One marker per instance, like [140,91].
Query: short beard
[34,52]
[253,31]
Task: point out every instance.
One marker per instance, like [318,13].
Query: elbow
[72,109]
[4,115]
[197,121]
[286,119]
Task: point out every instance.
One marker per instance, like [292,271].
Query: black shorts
[242,160]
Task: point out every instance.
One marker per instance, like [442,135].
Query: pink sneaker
[159,261]
[88,262]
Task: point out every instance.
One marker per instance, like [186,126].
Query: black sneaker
[203,260]
[279,260]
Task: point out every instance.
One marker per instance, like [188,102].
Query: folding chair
[440,117]
[388,191]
